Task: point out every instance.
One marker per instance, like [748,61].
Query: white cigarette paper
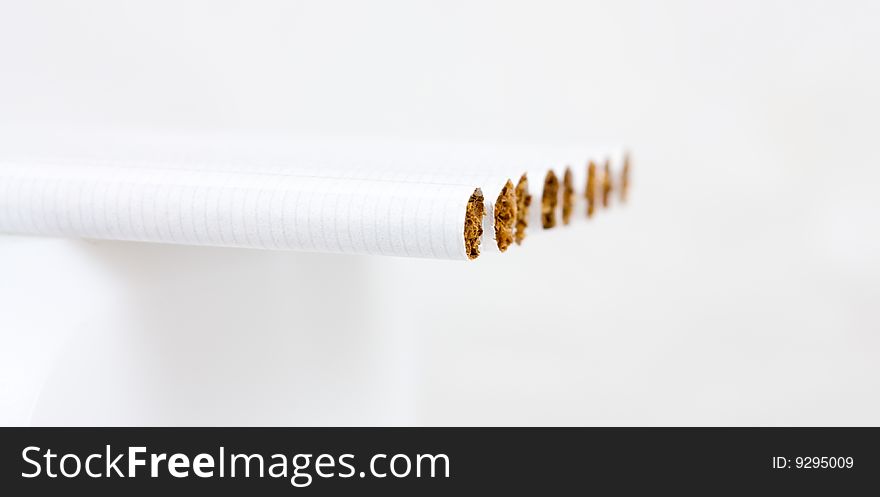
[234,209]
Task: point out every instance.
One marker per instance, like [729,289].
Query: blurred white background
[739,286]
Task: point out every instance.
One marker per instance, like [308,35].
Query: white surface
[739,286]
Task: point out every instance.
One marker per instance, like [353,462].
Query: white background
[740,285]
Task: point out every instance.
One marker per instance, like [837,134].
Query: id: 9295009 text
[813,462]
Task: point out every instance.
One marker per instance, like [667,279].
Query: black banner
[415,461]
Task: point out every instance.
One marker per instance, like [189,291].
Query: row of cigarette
[560,193]
[434,200]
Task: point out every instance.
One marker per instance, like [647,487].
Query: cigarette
[624,178]
[473,224]
[549,200]
[523,202]
[567,195]
[504,216]
[239,208]
[591,189]
[607,184]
